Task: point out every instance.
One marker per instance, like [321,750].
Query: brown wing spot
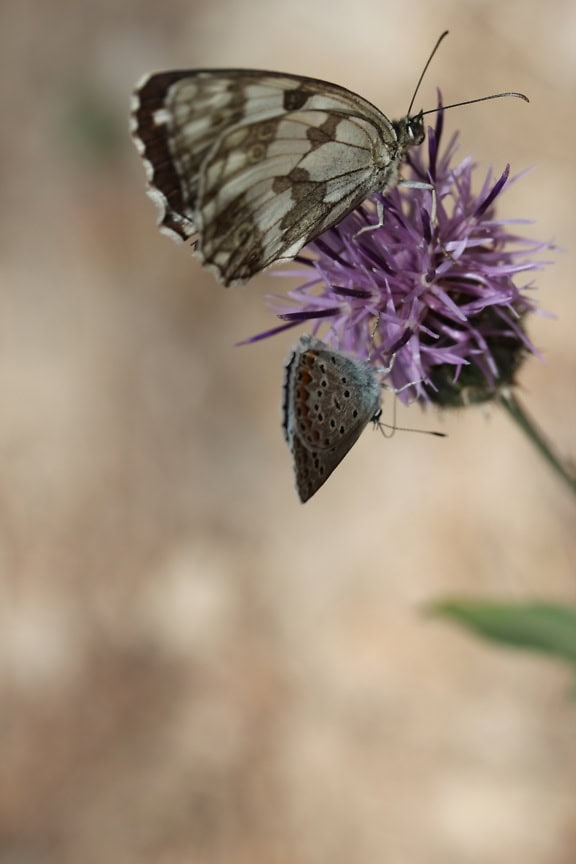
[318,135]
[308,197]
[256,152]
[300,191]
[228,228]
[281,184]
[299,175]
[253,140]
[237,95]
[295,99]
[233,242]
[302,187]
[302,392]
[243,233]
[217,118]
[266,131]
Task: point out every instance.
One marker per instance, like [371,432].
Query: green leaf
[545,627]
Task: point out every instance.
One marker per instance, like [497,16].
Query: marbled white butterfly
[256,164]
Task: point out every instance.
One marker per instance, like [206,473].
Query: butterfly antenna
[425,69]
[394,428]
[474,101]
[381,426]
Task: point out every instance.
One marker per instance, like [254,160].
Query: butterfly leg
[416,184]
[379,223]
[393,427]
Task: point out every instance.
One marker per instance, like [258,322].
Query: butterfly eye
[416,128]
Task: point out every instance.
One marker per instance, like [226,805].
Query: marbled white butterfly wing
[257,164]
[328,400]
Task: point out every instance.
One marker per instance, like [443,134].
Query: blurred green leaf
[545,627]
[92,129]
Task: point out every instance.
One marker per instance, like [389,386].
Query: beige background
[194,668]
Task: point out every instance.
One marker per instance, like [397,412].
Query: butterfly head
[410,130]
[376,417]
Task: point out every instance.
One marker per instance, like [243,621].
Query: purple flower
[431,289]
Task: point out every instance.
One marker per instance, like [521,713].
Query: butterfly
[329,398]
[254,164]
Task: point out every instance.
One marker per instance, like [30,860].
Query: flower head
[422,279]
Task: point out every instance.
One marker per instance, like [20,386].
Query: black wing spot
[295,99]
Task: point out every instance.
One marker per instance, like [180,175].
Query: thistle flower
[422,280]
[427,286]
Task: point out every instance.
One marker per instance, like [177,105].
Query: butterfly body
[257,164]
[328,400]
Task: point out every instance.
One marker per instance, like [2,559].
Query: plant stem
[564,469]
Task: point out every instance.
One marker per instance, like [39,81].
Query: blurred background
[194,667]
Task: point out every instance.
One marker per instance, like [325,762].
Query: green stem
[566,471]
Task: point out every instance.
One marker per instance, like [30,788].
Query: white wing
[258,163]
